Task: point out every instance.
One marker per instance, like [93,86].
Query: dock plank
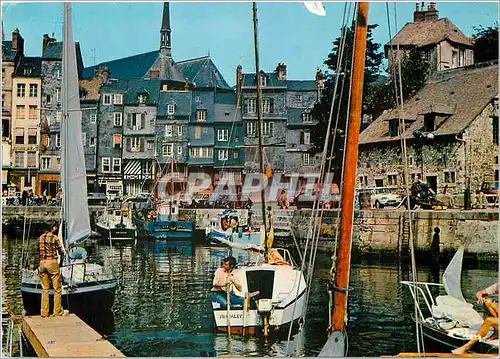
[67,336]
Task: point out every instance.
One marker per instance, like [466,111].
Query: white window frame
[93,118]
[197,131]
[263,80]
[307,138]
[33,90]
[306,117]
[251,105]
[306,159]
[223,134]
[31,155]
[298,98]
[106,99]
[58,116]
[135,144]
[118,99]
[45,162]
[106,162]
[84,139]
[268,129]
[236,154]
[150,145]
[58,140]
[179,130]
[91,141]
[179,150]
[169,130]
[223,155]
[266,105]
[119,143]
[170,109]
[167,150]
[117,162]
[21,90]
[58,95]
[251,130]
[117,119]
[201,115]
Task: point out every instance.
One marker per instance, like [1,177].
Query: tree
[485,43]
[321,110]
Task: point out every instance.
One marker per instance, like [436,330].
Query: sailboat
[448,319]
[273,286]
[86,286]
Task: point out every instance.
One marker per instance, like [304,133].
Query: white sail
[452,274]
[73,173]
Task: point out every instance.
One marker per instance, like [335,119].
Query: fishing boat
[117,223]
[86,287]
[272,285]
[164,222]
[447,318]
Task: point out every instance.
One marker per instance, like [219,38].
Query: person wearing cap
[223,279]
[49,246]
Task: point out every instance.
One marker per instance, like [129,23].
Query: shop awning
[4,176]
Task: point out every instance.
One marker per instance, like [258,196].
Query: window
[251,105]
[33,90]
[106,100]
[251,129]
[118,119]
[363,181]
[201,115]
[223,155]
[136,121]
[179,150]
[142,98]
[305,138]
[45,162]
[58,140]
[135,144]
[19,159]
[106,164]
[117,140]
[268,128]
[197,132]
[151,144]
[236,154]
[117,165]
[58,95]
[20,112]
[392,180]
[411,161]
[179,130]
[223,135]
[306,159]
[429,124]
[32,132]
[298,98]
[21,90]
[379,182]
[268,105]
[32,112]
[170,109]
[450,177]
[118,99]
[92,142]
[169,130]
[31,159]
[19,136]
[58,73]
[48,99]
[197,99]
[58,116]
[201,152]
[93,118]
[495,130]
[167,149]
[393,127]
[263,80]
[306,117]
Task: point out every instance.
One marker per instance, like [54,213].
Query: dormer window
[170,109]
[393,127]
[142,98]
[306,117]
[263,80]
[28,70]
[201,115]
[429,122]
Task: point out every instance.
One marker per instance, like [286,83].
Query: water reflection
[162,305]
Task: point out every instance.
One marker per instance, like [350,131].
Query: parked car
[326,200]
[200,200]
[383,197]
[97,199]
[491,189]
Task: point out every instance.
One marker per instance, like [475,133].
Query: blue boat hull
[168,229]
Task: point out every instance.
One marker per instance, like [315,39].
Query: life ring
[172,226]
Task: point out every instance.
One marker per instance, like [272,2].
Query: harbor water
[162,304]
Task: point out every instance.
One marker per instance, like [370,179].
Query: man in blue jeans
[224,276]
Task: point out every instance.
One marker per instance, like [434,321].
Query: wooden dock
[66,336]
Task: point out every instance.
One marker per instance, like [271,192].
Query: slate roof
[227,98]
[26,62]
[203,73]
[168,69]
[301,85]
[54,50]
[132,67]
[182,100]
[131,88]
[272,80]
[9,55]
[429,32]
[464,94]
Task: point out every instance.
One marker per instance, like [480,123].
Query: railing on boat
[417,291]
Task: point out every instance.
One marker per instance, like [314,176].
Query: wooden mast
[351,160]
[261,126]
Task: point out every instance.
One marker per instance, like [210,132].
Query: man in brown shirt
[49,246]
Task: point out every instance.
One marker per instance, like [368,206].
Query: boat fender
[172,226]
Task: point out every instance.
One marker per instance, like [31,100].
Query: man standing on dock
[49,246]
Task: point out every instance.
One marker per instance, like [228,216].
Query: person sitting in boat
[489,322]
[276,258]
[224,280]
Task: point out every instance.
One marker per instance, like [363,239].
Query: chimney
[239,81]
[425,15]
[281,71]
[17,42]
[46,40]
[419,13]
[102,72]
[432,13]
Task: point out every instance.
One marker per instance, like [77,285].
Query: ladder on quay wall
[403,235]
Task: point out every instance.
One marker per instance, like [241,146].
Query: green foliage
[485,43]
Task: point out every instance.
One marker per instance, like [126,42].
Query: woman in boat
[490,322]
[224,280]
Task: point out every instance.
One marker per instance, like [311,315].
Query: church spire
[165,45]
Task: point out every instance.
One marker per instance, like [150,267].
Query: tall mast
[343,262]
[261,125]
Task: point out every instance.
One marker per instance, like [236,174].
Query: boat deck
[66,336]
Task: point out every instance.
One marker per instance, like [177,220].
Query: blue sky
[287,31]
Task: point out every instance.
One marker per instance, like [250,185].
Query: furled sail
[452,274]
[73,173]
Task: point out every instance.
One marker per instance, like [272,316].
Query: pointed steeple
[165,44]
